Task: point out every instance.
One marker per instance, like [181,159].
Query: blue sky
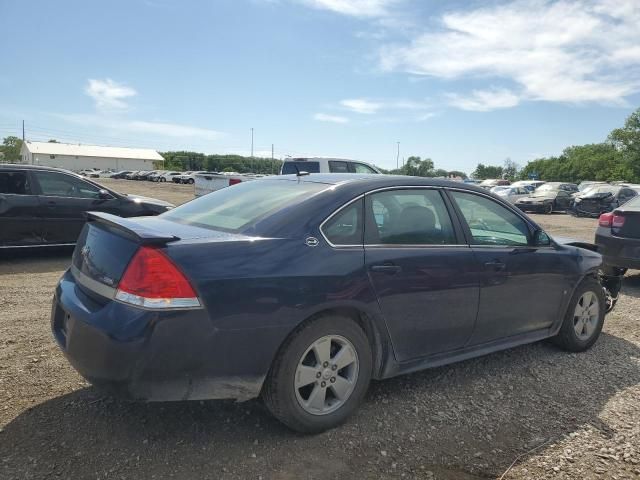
[460,82]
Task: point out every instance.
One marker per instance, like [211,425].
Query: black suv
[42,206]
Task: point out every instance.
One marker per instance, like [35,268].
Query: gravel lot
[557,415]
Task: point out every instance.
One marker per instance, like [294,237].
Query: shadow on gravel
[464,421]
[42,260]
[631,284]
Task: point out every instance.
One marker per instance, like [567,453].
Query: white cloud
[158,129]
[560,51]
[109,94]
[484,100]
[389,106]
[355,8]
[323,117]
[361,105]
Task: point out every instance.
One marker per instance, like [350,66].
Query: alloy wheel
[326,375]
[585,315]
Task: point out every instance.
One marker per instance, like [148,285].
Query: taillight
[617,221]
[152,280]
[605,219]
[234,181]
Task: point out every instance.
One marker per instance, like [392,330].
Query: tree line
[418,167]
[184,160]
[615,159]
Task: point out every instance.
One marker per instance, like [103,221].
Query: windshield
[234,208]
[543,193]
[547,187]
[600,189]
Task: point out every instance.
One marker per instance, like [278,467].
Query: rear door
[563,200]
[425,277]
[20,223]
[522,285]
[64,201]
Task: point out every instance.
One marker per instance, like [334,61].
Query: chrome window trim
[38,245]
[382,245]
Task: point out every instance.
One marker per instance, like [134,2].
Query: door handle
[495,265]
[388,268]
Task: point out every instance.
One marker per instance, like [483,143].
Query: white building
[79,157]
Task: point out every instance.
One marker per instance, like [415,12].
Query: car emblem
[84,251]
[312,242]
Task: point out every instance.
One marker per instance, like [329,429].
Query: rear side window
[346,226]
[408,217]
[15,183]
[491,223]
[362,168]
[234,208]
[338,167]
[290,167]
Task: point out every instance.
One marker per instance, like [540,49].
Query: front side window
[408,217]
[491,223]
[14,183]
[362,168]
[338,167]
[346,226]
[55,184]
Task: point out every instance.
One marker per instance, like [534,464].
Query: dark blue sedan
[303,288]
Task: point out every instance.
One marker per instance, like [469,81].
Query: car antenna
[298,172]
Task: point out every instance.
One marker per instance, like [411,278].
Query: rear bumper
[618,251]
[159,356]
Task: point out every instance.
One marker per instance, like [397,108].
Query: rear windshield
[234,208]
[290,167]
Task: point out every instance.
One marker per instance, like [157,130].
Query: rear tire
[548,209]
[190,181]
[320,376]
[584,319]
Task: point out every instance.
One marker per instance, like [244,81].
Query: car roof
[12,166]
[375,180]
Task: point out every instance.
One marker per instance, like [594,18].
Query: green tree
[627,141]
[417,167]
[510,169]
[483,172]
[11,149]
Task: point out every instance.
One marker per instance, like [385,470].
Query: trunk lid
[108,243]
[631,227]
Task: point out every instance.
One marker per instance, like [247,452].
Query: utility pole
[398,156]
[23,130]
[252,148]
[272,164]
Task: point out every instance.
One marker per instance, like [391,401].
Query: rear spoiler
[140,232]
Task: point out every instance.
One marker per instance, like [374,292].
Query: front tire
[584,318]
[190,181]
[548,209]
[320,376]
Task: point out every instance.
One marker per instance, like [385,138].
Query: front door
[425,277]
[20,223]
[64,202]
[522,284]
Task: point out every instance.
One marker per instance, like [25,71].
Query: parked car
[146,175]
[189,177]
[509,193]
[618,236]
[132,175]
[121,174]
[582,186]
[275,287]
[601,199]
[493,182]
[545,199]
[90,173]
[530,185]
[153,176]
[43,206]
[165,176]
[325,165]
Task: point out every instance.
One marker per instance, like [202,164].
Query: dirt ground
[556,415]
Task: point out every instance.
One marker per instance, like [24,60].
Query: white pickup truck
[210,182]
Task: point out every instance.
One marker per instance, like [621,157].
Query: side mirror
[104,194]
[541,239]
